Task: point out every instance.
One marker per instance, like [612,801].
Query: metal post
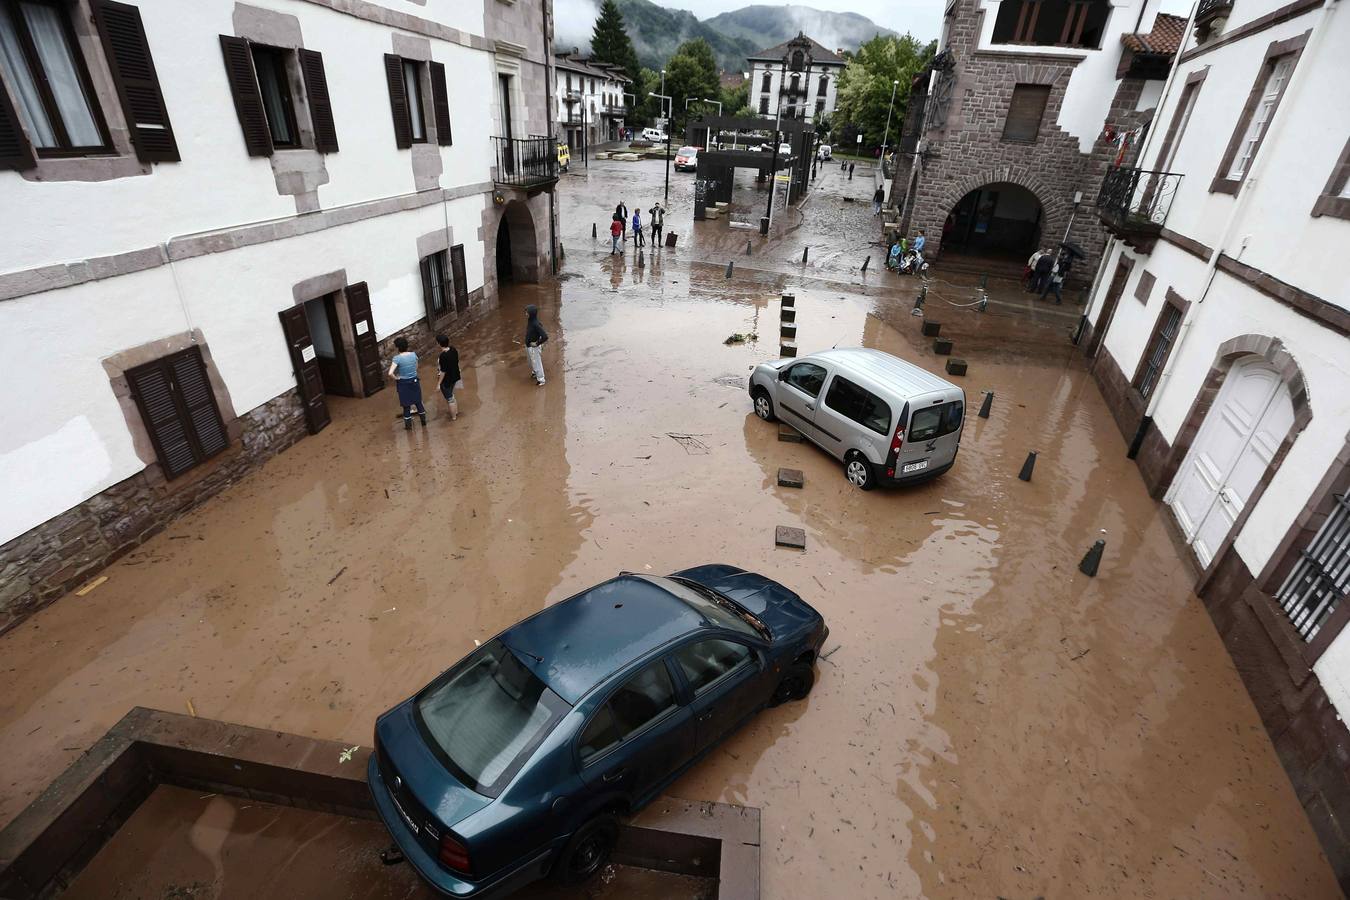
[887,137]
[670,117]
[777,138]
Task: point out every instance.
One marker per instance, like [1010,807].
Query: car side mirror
[782,374]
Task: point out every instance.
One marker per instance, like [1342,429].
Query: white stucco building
[590,100]
[807,88]
[1219,330]
[216,214]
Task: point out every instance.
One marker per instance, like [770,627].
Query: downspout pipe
[1296,84]
[552,146]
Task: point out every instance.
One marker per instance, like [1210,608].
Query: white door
[1236,442]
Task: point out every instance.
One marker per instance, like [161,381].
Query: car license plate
[914,467]
[407,818]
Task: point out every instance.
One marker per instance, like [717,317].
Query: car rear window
[859,404]
[687,151]
[486,715]
[935,421]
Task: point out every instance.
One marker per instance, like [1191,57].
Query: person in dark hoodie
[535,336]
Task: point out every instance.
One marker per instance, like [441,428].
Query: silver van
[889,421]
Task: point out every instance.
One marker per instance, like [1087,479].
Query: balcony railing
[613,111]
[1133,203]
[1211,9]
[798,90]
[572,97]
[526,162]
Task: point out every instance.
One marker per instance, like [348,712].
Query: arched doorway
[517,251]
[1239,438]
[1000,220]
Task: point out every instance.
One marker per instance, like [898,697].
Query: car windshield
[720,610]
[688,151]
[486,715]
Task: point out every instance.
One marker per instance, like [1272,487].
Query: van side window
[936,421]
[806,377]
[859,404]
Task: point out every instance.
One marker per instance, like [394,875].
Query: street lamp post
[708,130]
[669,115]
[885,140]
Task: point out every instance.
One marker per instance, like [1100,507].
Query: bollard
[865,262]
[805,250]
[942,347]
[789,301]
[1093,558]
[1025,474]
[593,231]
[641,260]
[730,265]
[987,404]
[931,328]
[747,247]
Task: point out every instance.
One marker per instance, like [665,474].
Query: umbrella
[1073,249]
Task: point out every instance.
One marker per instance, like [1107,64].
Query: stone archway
[1054,209]
[997,220]
[517,248]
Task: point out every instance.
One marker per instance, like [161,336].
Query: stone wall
[64,552]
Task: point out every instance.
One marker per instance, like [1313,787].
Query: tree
[865,87]
[691,73]
[736,101]
[610,42]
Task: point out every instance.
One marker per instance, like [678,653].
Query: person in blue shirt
[919,242]
[403,370]
[638,237]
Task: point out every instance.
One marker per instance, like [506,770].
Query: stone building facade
[1009,132]
[233,215]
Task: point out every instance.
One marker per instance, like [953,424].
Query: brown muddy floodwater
[989,722]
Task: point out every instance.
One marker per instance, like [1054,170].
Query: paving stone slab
[792,478]
[789,434]
[790,537]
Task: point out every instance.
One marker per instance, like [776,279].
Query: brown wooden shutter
[247,100]
[199,403]
[425,266]
[305,363]
[133,72]
[1025,111]
[363,332]
[398,100]
[320,108]
[461,280]
[179,410]
[440,104]
[15,151]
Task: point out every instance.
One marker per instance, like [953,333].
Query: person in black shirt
[449,381]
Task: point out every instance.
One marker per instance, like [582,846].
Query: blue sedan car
[515,763]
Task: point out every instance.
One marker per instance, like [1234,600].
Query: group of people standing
[1046,272]
[620,222]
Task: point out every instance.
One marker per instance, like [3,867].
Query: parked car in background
[785,149]
[655,135]
[564,157]
[686,158]
[515,763]
[888,420]
[825,151]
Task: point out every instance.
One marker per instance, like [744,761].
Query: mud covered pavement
[989,722]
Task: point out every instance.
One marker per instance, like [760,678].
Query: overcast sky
[920,18]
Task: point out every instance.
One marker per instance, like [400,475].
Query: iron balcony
[1133,203]
[530,163]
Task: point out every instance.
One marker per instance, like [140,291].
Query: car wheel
[795,684]
[764,405]
[587,851]
[859,472]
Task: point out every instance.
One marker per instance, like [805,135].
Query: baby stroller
[912,263]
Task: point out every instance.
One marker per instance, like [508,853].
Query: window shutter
[398,100]
[320,108]
[15,151]
[1025,111]
[199,403]
[247,101]
[425,266]
[440,104]
[133,72]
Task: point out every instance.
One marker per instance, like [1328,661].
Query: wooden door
[305,363]
[363,332]
[461,279]
[1108,312]
[1238,439]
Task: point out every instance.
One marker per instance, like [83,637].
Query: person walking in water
[850,171]
[404,371]
[877,199]
[449,378]
[621,214]
[535,337]
[639,239]
[615,235]
[657,215]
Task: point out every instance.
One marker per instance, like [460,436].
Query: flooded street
[989,722]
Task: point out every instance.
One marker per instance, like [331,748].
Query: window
[1025,111]
[1159,346]
[1335,198]
[274,84]
[763,106]
[1063,23]
[179,410]
[273,116]
[823,86]
[707,661]
[644,698]
[1262,102]
[935,421]
[767,84]
[859,404]
[806,377]
[41,63]
[820,106]
[1180,120]
[436,285]
[1321,574]
[407,104]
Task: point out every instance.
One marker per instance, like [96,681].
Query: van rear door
[933,435]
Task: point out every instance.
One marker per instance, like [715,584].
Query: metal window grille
[1157,354]
[1321,576]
